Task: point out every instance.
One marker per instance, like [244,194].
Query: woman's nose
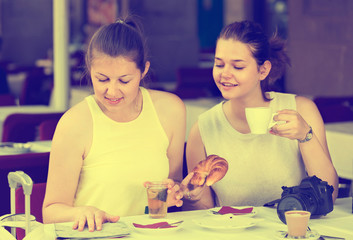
[226,73]
[113,88]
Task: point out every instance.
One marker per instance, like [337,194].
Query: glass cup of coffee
[157,193]
[297,223]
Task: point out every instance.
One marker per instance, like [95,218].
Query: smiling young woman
[106,147]
[246,64]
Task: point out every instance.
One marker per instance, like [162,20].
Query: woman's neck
[130,112]
[234,110]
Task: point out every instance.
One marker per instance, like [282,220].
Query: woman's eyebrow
[233,60]
[101,74]
[125,75]
[237,60]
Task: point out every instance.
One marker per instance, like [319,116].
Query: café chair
[37,198]
[23,127]
[47,129]
[195,82]
[33,164]
[37,87]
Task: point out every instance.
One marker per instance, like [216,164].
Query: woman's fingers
[186,181]
[99,218]
[145,184]
[80,223]
[90,222]
[111,218]
[94,219]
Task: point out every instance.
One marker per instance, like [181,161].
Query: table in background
[340,143]
[337,223]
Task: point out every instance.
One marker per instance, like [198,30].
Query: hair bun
[209,171]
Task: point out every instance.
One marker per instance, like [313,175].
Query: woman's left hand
[294,126]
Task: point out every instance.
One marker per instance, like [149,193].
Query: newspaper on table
[109,230]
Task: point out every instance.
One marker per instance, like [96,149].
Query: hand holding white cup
[260,119]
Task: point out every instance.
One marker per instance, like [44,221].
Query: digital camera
[313,195]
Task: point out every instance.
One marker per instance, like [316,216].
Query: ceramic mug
[260,119]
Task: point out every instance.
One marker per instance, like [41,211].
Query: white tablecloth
[338,223]
[340,143]
[40,146]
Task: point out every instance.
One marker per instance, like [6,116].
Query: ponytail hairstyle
[122,38]
[262,49]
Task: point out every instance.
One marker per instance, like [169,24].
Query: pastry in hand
[209,171]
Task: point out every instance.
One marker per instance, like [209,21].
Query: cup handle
[272,122]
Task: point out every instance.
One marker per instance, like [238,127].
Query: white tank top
[123,155]
[259,165]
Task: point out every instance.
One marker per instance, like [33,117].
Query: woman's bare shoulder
[166,100]
[76,118]
[304,103]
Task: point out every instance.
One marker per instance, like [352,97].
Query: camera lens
[291,202]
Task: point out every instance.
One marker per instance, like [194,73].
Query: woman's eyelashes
[107,79]
[235,67]
[103,79]
[124,81]
[238,68]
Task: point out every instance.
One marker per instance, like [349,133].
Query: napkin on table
[235,211]
[154,225]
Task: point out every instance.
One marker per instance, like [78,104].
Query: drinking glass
[157,193]
[297,223]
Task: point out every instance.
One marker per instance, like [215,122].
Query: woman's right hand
[93,217]
[191,192]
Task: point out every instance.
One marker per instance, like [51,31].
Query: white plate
[156,230]
[226,222]
[310,235]
[253,213]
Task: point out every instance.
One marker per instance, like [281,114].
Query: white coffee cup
[260,119]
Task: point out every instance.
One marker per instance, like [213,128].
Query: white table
[337,223]
[40,146]
[340,143]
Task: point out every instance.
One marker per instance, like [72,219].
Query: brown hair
[122,38]
[261,48]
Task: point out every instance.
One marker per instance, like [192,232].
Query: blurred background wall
[182,33]
[321,47]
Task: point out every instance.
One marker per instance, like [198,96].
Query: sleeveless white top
[259,165]
[122,157]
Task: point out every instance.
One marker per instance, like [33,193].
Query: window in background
[273,16]
[210,23]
